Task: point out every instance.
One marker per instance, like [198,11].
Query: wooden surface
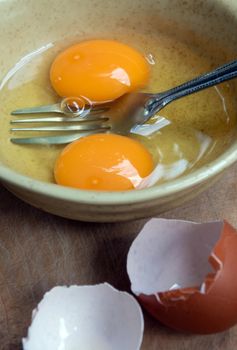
[38,251]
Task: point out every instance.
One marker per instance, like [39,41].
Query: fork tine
[83,127]
[59,119]
[52,140]
[99,109]
[55,108]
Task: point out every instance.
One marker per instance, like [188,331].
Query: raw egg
[103,162]
[86,318]
[100,70]
[184,274]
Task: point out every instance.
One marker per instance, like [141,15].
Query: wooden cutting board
[39,251]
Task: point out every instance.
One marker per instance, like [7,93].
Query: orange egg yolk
[100,70]
[103,162]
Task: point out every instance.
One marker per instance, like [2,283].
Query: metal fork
[122,116]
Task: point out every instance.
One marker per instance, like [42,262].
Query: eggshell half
[86,318]
[185,274]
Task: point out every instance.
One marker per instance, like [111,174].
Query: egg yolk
[103,162]
[100,70]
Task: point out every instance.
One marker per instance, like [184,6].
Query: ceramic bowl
[28,24]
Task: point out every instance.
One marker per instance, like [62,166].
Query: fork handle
[226,72]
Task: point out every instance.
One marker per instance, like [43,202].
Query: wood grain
[39,251]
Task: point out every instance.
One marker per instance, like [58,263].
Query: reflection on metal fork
[121,116]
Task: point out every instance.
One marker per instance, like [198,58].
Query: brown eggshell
[204,308]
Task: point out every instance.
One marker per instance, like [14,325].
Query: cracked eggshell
[184,274]
[86,318]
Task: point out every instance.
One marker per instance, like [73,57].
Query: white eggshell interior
[86,318]
[171,254]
